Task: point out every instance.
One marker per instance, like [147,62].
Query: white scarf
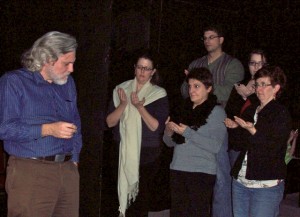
[131,136]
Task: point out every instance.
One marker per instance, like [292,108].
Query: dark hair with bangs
[260,52]
[201,74]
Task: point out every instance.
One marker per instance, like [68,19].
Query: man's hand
[62,130]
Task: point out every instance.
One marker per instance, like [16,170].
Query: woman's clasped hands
[245,90]
[172,127]
[133,97]
[240,122]
[136,101]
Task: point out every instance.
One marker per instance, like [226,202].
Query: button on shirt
[26,102]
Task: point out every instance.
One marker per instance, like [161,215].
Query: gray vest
[218,71]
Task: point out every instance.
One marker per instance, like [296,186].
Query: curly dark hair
[201,74]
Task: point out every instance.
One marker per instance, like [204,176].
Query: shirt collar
[38,78]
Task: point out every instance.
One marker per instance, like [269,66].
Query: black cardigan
[235,101]
[233,108]
[267,147]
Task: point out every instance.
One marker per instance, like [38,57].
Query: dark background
[110,31]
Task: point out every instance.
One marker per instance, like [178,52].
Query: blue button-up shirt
[26,102]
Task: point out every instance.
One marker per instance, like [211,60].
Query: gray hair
[48,48]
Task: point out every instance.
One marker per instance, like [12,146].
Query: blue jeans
[222,206]
[258,202]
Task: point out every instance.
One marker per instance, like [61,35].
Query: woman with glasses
[263,129]
[138,113]
[197,132]
[241,96]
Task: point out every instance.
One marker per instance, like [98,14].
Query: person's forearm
[19,131]
[150,121]
[168,140]
[114,117]
[46,130]
[293,148]
[77,145]
[252,130]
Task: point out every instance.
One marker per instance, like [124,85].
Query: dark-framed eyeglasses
[262,85]
[142,68]
[259,64]
[210,37]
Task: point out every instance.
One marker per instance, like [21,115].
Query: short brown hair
[276,75]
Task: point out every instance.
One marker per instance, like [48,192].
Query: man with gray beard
[41,130]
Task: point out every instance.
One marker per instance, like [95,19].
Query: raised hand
[122,96]
[136,101]
[250,86]
[245,91]
[180,128]
[242,90]
[230,123]
[173,127]
[168,129]
[245,124]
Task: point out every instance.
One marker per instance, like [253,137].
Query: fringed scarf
[131,139]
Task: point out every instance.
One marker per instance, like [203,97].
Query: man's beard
[57,79]
[60,81]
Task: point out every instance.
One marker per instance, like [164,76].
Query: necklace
[209,60]
[259,108]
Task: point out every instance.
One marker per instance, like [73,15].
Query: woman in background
[241,96]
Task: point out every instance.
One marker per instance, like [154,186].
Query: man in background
[226,70]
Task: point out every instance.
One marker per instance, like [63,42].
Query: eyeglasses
[262,85]
[210,37]
[259,64]
[142,68]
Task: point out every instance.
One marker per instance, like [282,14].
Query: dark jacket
[267,147]
[233,107]
[235,101]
